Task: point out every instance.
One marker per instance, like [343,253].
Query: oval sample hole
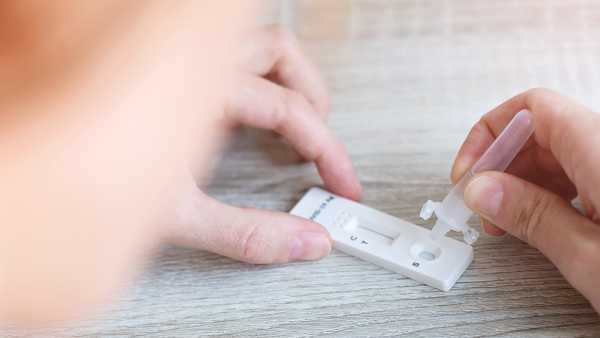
[425,250]
[426,255]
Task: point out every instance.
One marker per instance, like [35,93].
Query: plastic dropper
[452,213]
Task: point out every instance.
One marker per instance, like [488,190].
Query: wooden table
[408,78]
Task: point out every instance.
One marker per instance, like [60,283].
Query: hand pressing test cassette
[427,256]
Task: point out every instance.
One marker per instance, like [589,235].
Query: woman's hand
[275,88]
[103,107]
[532,200]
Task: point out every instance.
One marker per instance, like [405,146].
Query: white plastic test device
[385,240]
[425,255]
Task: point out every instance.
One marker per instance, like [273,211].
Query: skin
[99,143]
[107,109]
[280,90]
[532,201]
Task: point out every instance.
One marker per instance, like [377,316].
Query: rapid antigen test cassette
[386,240]
[425,255]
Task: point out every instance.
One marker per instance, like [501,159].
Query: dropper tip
[439,230]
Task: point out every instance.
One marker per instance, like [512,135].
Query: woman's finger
[248,235]
[263,104]
[276,53]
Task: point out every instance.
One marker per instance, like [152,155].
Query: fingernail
[310,246]
[484,195]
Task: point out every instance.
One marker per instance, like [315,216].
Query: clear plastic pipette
[452,213]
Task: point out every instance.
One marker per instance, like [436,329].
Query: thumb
[249,235]
[544,220]
[536,216]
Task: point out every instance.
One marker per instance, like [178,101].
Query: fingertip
[309,246]
[491,229]
[484,195]
[475,144]
[341,178]
[358,192]
[461,164]
[349,188]
[353,189]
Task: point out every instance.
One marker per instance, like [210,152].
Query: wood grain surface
[408,78]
